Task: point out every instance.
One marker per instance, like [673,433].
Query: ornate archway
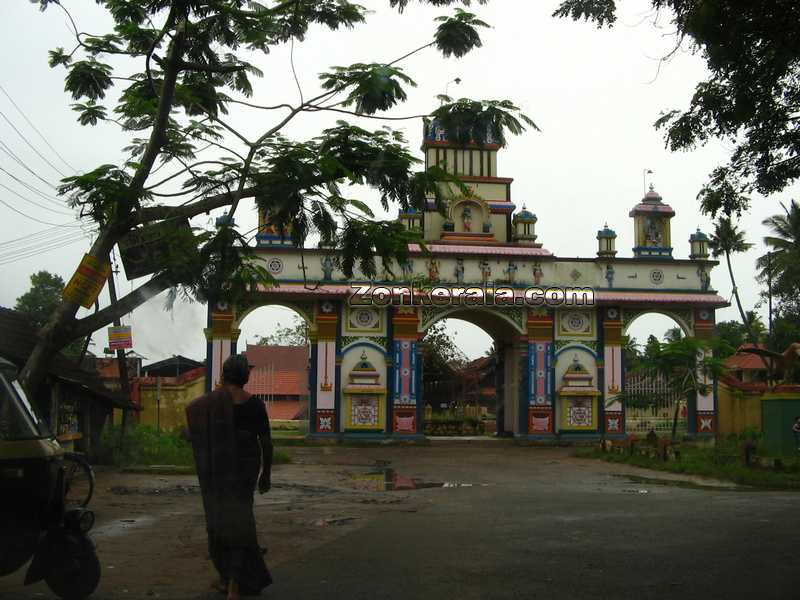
[567,361]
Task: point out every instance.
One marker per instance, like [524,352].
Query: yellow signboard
[88,281]
[120,338]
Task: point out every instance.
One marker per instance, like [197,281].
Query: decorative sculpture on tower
[466,218]
[606,242]
[651,218]
[525,227]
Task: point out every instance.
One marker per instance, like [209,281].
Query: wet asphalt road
[530,523]
[548,526]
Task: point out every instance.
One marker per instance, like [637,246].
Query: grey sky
[595,95]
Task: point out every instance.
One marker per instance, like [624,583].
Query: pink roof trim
[482,250]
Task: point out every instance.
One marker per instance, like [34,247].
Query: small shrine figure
[407,268]
[652,234]
[466,218]
[433,270]
[327,268]
[486,271]
[705,279]
[511,271]
[459,272]
[537,273]
[610,276]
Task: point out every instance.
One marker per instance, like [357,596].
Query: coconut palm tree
[783,259]
[728,239]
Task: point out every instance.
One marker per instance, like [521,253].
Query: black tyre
[76,577]
[78,481]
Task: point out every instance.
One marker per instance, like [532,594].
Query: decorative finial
[363,355]
[652,189]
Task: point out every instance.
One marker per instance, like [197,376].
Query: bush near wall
[145,446]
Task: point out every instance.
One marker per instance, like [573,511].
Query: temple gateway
[562,366]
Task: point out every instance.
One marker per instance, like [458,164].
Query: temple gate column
[324,415]
[221,337]
[613,374]
[405,399]
[705,402]
[540,363]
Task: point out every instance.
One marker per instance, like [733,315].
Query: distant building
[280,377]
[73,400]
[163,399]
[171,367]
[746,367]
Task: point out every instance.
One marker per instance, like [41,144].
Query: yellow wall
[737,410]
[174,399]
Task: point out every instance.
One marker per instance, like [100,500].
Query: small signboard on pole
[88,281]
[120,338]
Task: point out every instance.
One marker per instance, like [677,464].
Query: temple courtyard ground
[464,521]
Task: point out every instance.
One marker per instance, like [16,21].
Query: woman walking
[231,443]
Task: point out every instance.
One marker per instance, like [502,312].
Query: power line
[39,251]
[28,121]
[21,163]
[27,216]
[40,244]
[43,233]
[31,146]
[30,188]
[42,206]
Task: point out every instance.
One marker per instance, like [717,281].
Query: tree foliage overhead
[751,98]
[41,300]
[169,72]
[295,334]
[780,267]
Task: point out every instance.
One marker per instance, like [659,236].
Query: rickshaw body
[34,523]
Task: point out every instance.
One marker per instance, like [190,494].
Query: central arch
[505,331]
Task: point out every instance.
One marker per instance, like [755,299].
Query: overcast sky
[594,93]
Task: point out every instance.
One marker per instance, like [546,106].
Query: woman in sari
[231,443]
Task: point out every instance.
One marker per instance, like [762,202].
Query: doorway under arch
[655,411]
[275,339]
[500,378]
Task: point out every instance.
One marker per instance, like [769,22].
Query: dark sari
[226,451]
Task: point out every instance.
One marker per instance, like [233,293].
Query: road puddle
[389,480]
[682,483]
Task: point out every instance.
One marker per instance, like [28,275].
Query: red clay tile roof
[744,361]
[280,383]
[279,370]
[283,410]
[281,358]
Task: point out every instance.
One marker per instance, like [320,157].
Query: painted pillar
[405,397]
[221,336]
[705,403]
[523,372]
[540,362]
[326,418]
[613,382]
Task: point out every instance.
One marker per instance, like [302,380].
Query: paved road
[547,526]
[535,523]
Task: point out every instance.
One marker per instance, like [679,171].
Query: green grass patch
[144,446]
[722,461]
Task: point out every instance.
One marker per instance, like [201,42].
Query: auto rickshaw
[35,519]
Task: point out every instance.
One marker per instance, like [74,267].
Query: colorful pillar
[613,383]
[705,403]
[540,362]
[405,398]
[221,337]
[325,419]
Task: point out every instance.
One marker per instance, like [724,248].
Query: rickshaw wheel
[77,580]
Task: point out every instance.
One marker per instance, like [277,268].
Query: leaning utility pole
[122,361]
